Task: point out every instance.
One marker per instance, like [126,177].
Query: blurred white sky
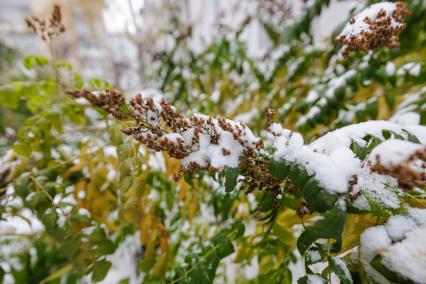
[118,15]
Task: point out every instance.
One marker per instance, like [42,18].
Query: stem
[42,189]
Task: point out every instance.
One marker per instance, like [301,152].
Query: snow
[175,137]
[332,170]
[390,69]
[110,151]
[315,279]
[331,161]
[213,154]
[406,118]
[408,257]
[419,131]
[329,93]
[373,241]
[313,256]
[393,152]
[338,82]
[407,112]
[6,229]
[155,94]
[339,262]
[418,215]
[410,68]
[361,203]
[288,145]
[343,137]
[359,26]
[400,242]
[247,117]
[312,96]
[377,189]
[28,224]
[215,96]
[124,262]
[398,226]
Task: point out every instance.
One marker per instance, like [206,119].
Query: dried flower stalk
[47,29]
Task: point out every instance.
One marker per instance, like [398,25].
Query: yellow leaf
[417,202]
[287,218]
[355,225]
[193,206]
[144,227]
[160,266]
[73,169]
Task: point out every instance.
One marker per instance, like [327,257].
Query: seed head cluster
[257,177]
[47,29]
[194,139]
[110,100]
[202,142]
[373,31]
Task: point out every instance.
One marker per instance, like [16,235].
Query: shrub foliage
[234,163]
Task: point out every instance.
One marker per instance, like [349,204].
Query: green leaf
[77,80]
[373,109]
[390,97]
[318,198]
[62,64]
[360,151]
[388,274]
[100,270]
[105,247]
[32,61]
[40,203]
[98,235]
[339,267]
[410,137]
[231,176]
[298,175]
[2,273]
[279,168]
[8,98]
[98,84]
[331,227]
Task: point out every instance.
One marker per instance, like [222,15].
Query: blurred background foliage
[97,202]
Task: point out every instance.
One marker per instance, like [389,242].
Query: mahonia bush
[199,181]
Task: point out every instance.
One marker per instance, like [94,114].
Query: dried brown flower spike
[200,141]
[378,26]
[47,29]
[110,100]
